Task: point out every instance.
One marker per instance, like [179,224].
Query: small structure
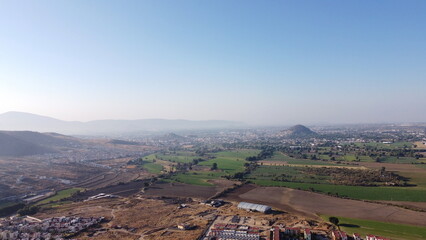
[373,237]
[214,202]
[356,236]
[254,207]
[291,231]
[307,234]
[183,226]
[339,235]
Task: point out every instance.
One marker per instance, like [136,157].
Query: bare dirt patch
[415,205]
[309,204]
[181,190]
[190,191]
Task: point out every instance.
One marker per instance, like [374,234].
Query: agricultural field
[228,163]
[285,176]
[195,177]
[178,157]
[284,173]
[355,192]
[399,160]
[380,145]
[66,193]
[152,167]
[238,154]
[312,204]
[384,229]
[279,156]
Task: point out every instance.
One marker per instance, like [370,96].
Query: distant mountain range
[22,143]
[20,121]
[298,131]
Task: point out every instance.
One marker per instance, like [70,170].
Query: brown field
[112,178]
[420,145]
[284,163]
[394,167]
[122,190]
[156,218]
[181,190]
[309,204]
[416,205]
[138,218]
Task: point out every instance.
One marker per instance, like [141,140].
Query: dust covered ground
[186,190]
[142,217]
[309,204]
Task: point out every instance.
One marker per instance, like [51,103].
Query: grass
[59,196]
[402,160]
[279,156]
[291,173]
[417,178]
[241,154]
[153,167]
[180,156]
[196,177]
[228,162]
[227,165]
[380,145]
[355,192]
[383,229]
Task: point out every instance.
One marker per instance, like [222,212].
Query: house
[292,231]
[356,236]
[307,234]
[373,237]
[276,233]
[339,235]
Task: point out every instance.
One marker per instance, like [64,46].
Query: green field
[59,196]
[153,167]
[380,145]
[196,177]
[279,156]
[228,163]
[401,160]
[383,229]
[180,156]
[241,154]
[355,192]
[285,172]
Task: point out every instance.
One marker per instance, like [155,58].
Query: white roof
[253,206]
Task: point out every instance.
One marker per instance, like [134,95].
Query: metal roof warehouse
[254,207]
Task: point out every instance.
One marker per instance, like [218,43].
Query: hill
[298,131]
[15,146]
[22,143]
[123,142]
[18,121]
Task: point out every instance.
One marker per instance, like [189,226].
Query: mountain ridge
[21,121]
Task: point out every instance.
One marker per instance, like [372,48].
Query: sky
[259,62]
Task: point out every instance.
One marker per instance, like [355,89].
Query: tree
[214,166]
[334,220]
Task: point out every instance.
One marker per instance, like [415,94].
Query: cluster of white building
[233,232]
[51,228]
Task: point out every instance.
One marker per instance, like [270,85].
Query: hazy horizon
[261,63]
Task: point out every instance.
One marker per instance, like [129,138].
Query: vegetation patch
[60,195]
[383,229]
[354,192]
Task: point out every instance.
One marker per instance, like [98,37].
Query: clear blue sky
[260,62]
